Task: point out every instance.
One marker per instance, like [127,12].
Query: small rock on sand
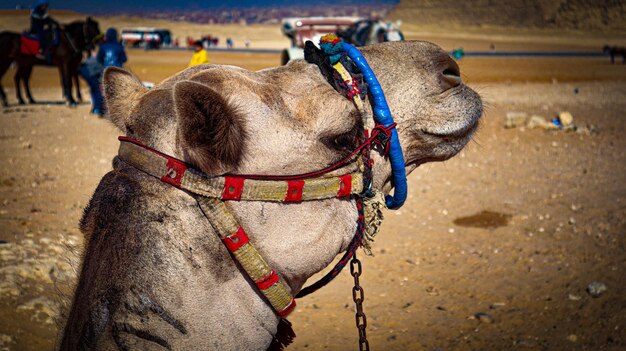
[540,122]
[596,289]
[515,119]
[574,297]
[5,340]
[484,317]
[566,118]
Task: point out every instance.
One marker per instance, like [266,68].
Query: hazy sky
[107,5]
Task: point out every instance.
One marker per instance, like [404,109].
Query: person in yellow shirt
[200,55]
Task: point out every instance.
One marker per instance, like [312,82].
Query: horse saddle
[30,45]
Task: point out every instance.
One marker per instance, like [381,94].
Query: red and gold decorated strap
[243,251]
[239,188]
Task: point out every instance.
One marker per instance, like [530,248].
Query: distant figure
[492,47]
[176,43]
[91,71]
[247,43]
[42,24]
[229,43]
[615,51]
[111,53]
[200,55]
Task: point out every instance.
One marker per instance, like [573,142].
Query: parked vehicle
[149,38]
[299,30]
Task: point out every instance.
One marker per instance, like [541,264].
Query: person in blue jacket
[111,52]
[91,71]
[40,22]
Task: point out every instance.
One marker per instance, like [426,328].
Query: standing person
[40,22]
[111,52]
[200,55]
[91,71]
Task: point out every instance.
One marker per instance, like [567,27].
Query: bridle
[351,179]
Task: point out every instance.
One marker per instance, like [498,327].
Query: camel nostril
[451,74]
[452,71]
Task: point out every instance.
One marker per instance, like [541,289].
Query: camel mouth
[441,145]
[454,134]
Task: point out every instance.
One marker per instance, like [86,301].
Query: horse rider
[40,23]
[111,52]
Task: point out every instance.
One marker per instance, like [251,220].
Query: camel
[154,273]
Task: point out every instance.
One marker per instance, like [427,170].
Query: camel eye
[345,141]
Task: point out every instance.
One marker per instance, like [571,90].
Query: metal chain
[358,296]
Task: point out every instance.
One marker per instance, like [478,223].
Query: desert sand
[493,250]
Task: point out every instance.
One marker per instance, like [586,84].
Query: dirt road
[494,249]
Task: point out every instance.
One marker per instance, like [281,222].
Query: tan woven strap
[238,243]
[212,191]
[234,188]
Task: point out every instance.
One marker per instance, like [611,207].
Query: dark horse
[615,51]
[74,39]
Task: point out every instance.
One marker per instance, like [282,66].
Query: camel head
[436,112]
[289,120]
[286,120]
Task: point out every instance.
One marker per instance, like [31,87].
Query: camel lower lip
[459,133]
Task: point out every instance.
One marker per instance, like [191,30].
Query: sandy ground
[494,249]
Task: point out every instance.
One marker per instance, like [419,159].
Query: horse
[368,32]
[615,51]
[74,39]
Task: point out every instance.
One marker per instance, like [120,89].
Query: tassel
[373,211]
[284,336]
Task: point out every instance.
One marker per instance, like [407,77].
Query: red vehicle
[299,30]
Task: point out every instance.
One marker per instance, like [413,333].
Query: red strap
[386,140]
[294,190]
[328,169]
[268,281]
[345,185]
[237,240]
[233,186]
[175,171]
[285,312]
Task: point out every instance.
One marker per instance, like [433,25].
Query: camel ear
[211,131]
[121,91]
[317,57]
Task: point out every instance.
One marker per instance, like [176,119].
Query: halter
[354,181]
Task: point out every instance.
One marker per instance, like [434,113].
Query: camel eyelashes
[341,142]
